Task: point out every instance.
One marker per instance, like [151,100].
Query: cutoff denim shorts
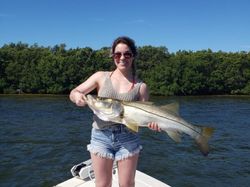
[116,142]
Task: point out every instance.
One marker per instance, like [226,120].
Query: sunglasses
[118,55]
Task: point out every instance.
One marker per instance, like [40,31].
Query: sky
[175,24]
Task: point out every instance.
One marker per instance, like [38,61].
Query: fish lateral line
[161,116]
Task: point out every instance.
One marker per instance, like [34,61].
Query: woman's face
[123,57]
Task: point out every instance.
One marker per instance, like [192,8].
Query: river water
[42,137]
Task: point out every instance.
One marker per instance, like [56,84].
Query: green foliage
[56,70]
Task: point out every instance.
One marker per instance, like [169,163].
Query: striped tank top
[109,91]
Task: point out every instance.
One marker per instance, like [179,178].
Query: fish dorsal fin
[174,135]
[132,125]
[172,107]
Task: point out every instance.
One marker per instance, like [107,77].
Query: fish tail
[202,140]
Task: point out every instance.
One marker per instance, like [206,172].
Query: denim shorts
[116,142]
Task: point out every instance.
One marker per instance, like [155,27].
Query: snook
[139,114]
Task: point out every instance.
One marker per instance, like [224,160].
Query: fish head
[105,108]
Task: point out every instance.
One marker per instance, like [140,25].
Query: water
[42,137]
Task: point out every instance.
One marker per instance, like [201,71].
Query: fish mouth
[98,103]
[90,97]
[90,100]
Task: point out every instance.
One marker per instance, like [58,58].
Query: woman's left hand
[154,126]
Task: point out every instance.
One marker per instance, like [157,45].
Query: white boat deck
[84,177]
[141,180]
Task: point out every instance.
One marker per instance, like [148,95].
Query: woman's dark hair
[125,40]
[131,44]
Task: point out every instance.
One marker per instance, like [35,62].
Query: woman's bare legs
[103,170]
[126,171]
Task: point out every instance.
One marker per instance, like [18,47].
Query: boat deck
[141,180]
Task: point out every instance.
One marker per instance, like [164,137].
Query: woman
[110,141]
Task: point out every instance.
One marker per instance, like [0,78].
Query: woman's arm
[93,82]
[144,92]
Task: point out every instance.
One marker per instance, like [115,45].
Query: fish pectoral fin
[174,135]
[132,125]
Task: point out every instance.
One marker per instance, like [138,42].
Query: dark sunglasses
[118,55]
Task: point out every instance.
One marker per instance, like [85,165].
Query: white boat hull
[141,180]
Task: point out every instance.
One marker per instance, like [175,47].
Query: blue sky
[176,24]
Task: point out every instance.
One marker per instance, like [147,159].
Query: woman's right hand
[77,98]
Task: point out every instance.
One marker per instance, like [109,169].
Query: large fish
[139,114]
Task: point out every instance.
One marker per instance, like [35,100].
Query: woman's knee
[103,183]
[127,183]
